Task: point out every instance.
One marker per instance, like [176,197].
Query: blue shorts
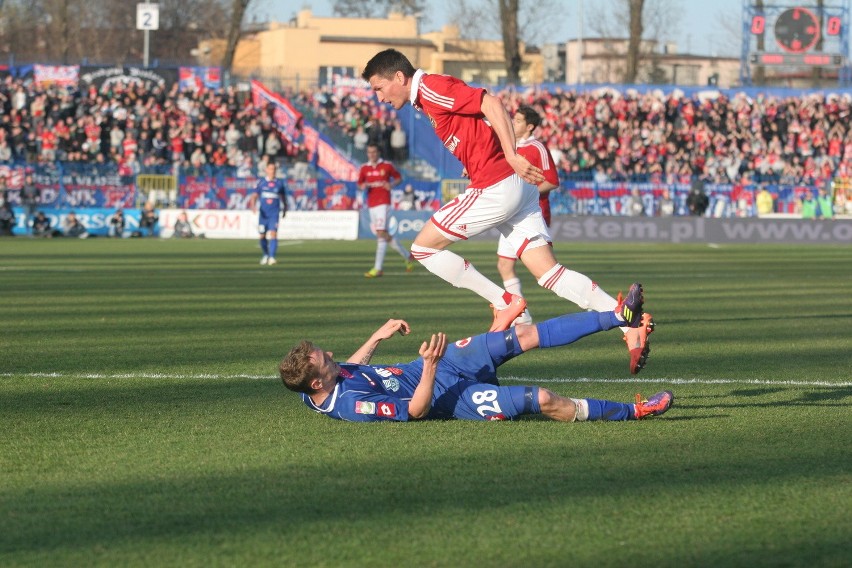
[466,383]
[267,222]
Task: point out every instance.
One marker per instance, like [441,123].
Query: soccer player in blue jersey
[459,380]
[270,200]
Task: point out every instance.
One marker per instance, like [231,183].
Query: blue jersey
[466,386]
[270,197]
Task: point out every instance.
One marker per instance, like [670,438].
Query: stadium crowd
[135,126]
[596,136]
[653,137]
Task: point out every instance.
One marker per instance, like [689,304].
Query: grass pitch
[143,424]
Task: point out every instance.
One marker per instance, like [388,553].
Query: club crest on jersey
[391,384]
[362,407]
[451,143]
[463,342]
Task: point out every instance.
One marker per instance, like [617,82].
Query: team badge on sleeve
[386,409]
[362,407]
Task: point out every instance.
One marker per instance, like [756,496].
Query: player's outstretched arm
[365,352]
[431,352]
[501,123]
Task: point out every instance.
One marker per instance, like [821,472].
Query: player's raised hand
[528,172]
[434,349]
[392,326]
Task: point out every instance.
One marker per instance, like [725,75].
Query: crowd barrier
[64,187]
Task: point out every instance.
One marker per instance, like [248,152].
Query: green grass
[143,425]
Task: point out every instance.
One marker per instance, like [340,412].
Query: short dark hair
[531,116]
[386,63]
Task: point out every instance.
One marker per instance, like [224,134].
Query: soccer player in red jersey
[524,122]
[377,177]
[475,127]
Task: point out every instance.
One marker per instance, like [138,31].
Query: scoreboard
[795,34]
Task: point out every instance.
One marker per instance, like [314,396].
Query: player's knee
[506,267]
[527,336]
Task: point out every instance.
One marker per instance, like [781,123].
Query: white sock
[398,248]
[381,247]
[582,409]
[513,285]
[577,288]
[458,272]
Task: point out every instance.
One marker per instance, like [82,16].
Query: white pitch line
[576,380]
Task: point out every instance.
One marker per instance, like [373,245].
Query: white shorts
[510,206]
[379,218]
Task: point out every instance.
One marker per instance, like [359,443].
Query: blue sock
[608,410]
[569,328]
[264,247]
[273,247]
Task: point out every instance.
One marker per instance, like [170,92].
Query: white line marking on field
[575,380]
[688,381]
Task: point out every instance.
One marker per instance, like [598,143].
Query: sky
[698,33]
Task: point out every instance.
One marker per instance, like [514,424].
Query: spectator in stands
[148,218]
[764,201]
[825,204]
[7,219]
[635,206]
[809,206]
[116,224]
[697,201]
[408,201]
[183,228]
[42,226]
[272,145]
[30,198]
[398,143]
[73,227]
[666,206]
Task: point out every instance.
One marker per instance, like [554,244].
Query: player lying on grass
[459,380]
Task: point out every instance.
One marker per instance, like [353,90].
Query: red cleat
[504,318]
[654,406]
[638,344]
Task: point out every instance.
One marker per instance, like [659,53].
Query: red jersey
[538,155]
[378,178]
[455,111]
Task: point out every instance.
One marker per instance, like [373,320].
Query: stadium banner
[697,230]
[61,75]
[403,225]
[69,189]
[319,225]
[212,223]
[725,200]
[199,78]
[223,224]
[95,219]
[106,78]
[286,117]
[325,155]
